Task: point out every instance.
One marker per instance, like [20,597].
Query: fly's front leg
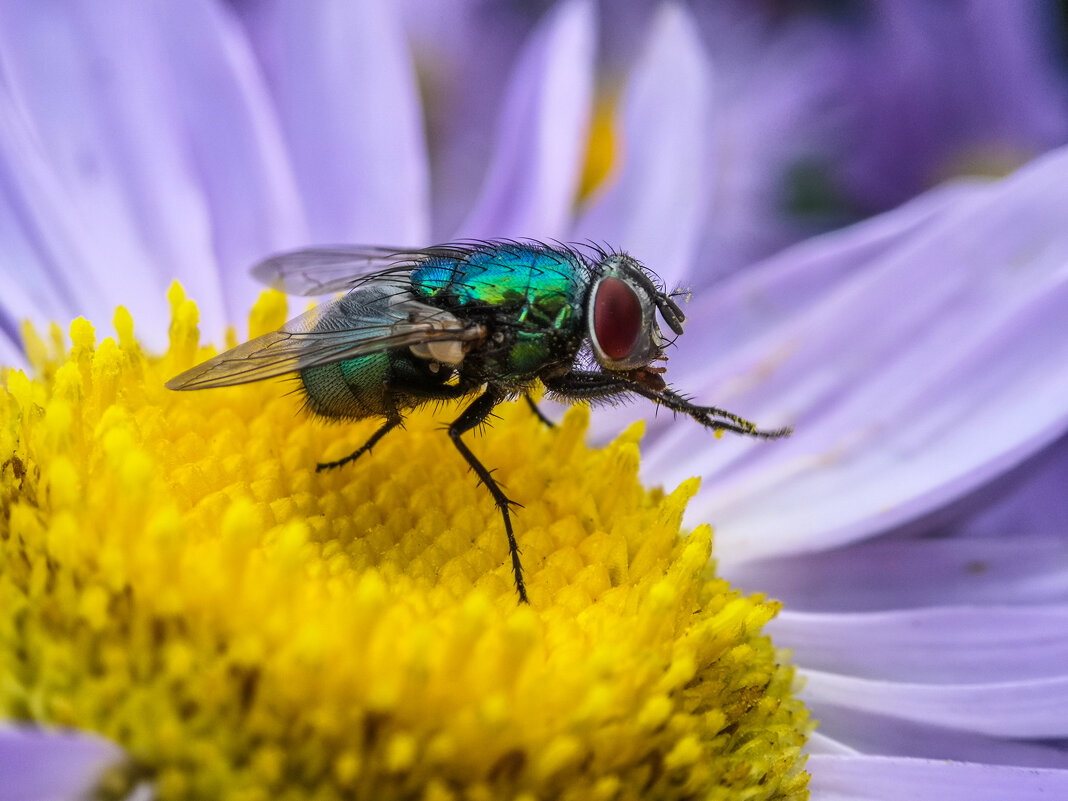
[537,412]
[593,385]
[587,385]
[473,416]
[707,415]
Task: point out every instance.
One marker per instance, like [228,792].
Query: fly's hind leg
[473,416]
[394,419]
[391,423]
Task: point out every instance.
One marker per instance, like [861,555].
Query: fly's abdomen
[350,389]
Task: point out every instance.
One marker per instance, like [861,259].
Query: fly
[485,319]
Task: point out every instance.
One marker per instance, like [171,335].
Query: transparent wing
[326,270]
[357,324]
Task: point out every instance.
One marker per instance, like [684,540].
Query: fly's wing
[367,321]
[326,270]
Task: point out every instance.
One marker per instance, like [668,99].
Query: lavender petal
[938,645]
[935,368]
[778,289]
[1031,708]
[43,764]
[894,574]
[874,778]
[870,733]
[140,175]
[992,92]
[1031,499]
[542,133]
[344,88]
[654,207]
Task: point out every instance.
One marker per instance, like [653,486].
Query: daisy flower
[192,612]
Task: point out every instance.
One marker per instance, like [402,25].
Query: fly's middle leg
[473,416]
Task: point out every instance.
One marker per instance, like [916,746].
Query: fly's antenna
[670,310]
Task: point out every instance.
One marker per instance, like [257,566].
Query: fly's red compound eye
[617,318]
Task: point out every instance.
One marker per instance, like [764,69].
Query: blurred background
[823,112]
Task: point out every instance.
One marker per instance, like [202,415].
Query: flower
[180,580]
[919,354]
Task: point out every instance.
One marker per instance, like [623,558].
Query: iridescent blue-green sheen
[353,388]
[544,283]
[538,294]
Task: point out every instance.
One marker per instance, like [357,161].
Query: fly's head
[621,313]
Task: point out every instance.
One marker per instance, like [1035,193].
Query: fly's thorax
[527,287]
[514,357]
[528,298]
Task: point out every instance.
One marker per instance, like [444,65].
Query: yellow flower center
[177,577]
[601,151]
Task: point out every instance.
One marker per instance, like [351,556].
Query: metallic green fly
[482,320]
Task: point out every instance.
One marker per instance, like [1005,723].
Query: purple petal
[24,294]
[236,147]
[1028,708]
[30,285]
[343,82]
[1030,499]
[655,206]
[125,172]
[819,743]
[41,765]
[775,114]
[794,281]
[945,644]
[924,102]
[935,368]
[910,574]
[825,117]
[887,736]
[10,350]
[873,778]
[542,134]
[58,202]
[464,77]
